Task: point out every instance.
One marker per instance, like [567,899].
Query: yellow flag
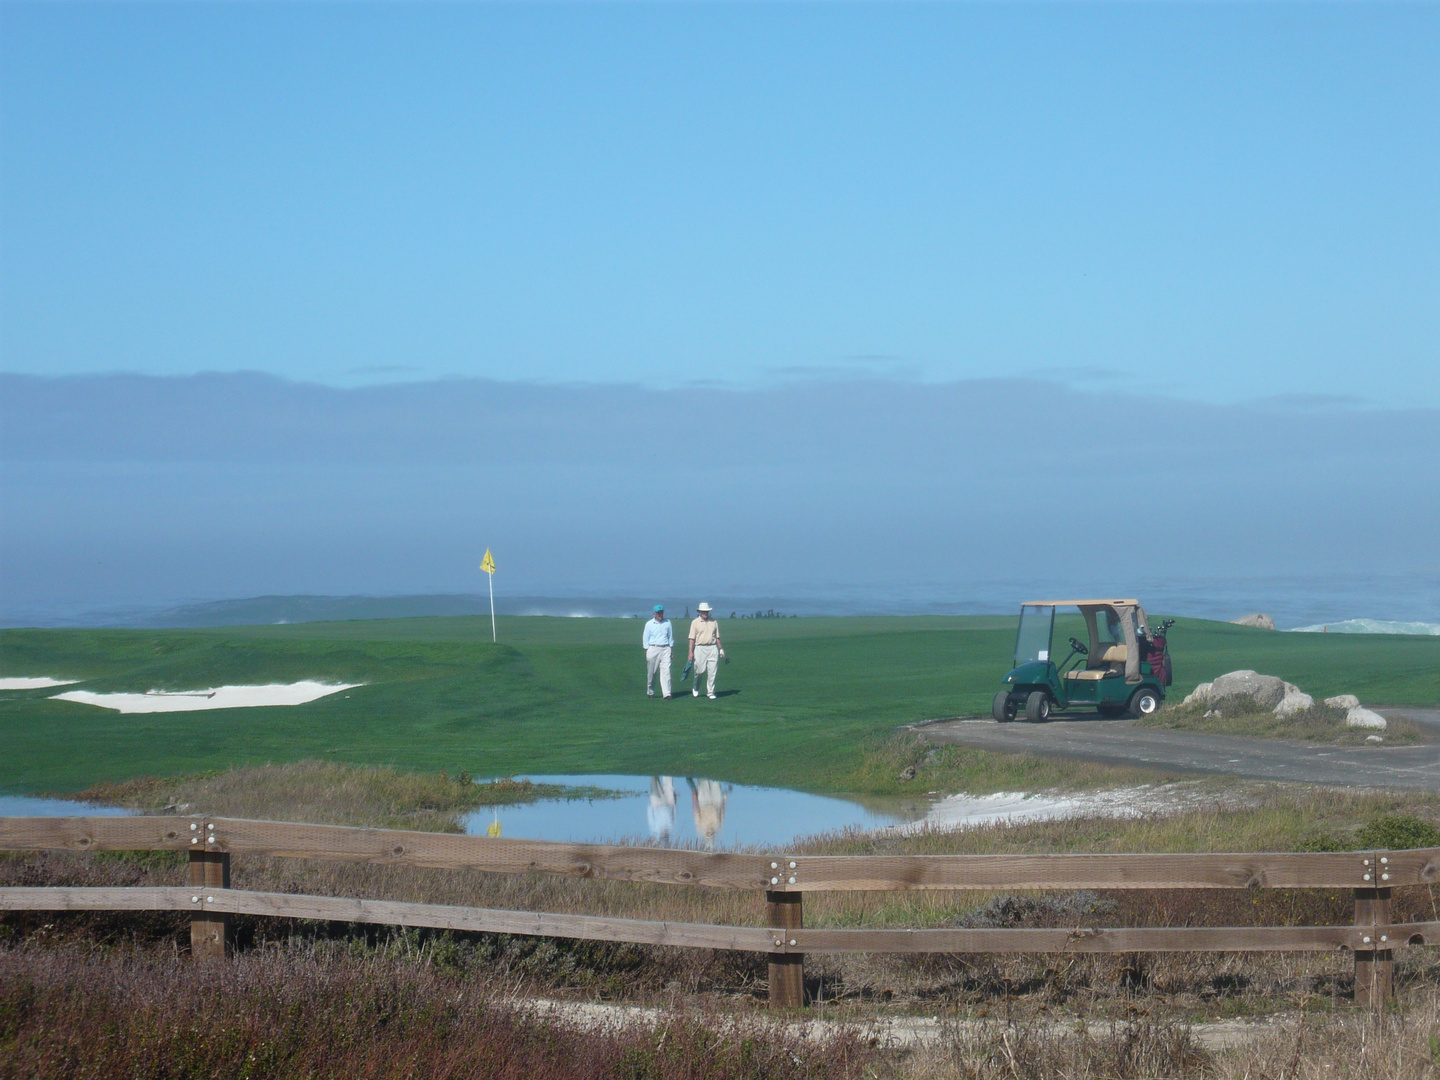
[493,829]
[488,563]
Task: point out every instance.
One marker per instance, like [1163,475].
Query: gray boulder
[1259,621]
[1343,701]
[1200,695]
[1365,718]
[1267,690]
[1294,701]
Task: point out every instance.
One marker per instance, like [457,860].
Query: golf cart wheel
[1037,706]
[1144,702]
[1111,711]
[1002,708]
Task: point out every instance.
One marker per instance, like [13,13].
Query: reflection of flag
[488,563]
[494,828]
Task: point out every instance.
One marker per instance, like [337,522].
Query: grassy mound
[1242,715]
[327,793]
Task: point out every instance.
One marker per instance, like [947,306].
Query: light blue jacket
[657,633]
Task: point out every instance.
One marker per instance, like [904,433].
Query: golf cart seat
[1106,663]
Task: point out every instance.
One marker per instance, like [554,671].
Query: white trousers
[657,659]
[707,658]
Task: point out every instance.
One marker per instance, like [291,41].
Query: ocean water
[1371,626]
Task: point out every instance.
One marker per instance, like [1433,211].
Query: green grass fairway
[801,696]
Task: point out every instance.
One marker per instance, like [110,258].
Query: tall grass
[1210,816]
[326,793]
[287,1014]
[904,763]
[1310,1045]
[1223,818]
[1132,1050]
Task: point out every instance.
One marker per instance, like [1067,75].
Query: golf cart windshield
[1033,640]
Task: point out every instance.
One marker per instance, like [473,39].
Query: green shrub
[1397,832]
[1323,842]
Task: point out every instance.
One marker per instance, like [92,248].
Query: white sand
[218,697]
[967,811]
[34,684]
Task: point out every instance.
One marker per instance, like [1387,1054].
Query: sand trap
[218,697]
[34,684]
[967,811]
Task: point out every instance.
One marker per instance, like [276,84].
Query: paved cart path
[1121,742]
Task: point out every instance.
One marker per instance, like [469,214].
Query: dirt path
[901,1032]
[1121,742]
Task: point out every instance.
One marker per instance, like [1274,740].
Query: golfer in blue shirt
[658,640]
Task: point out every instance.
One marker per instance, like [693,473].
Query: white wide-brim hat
[703,606]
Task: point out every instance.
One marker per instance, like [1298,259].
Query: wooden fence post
[787,970]
[1374,967]
[209,933]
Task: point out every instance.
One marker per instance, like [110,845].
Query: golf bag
[1157,655]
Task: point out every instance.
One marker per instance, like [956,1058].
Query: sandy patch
[891,1032]
[967,811]
[34,684]
[217,697]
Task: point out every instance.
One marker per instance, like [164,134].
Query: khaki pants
[707,658]
[657,659]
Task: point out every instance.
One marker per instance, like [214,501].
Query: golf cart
[1123,669]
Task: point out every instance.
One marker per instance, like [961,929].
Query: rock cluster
[1283,698]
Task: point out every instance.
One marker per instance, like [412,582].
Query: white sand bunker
[968,811]
[34,684]
[218,697]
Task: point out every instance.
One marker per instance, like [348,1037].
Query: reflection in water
[662,808]
[707,799]
[722,815]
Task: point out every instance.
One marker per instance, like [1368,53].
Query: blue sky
[1212,202]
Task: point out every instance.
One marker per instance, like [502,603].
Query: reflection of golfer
[658,640]
[662,807]
[705,649]
[707,799]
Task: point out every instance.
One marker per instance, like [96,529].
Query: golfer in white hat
[705,649]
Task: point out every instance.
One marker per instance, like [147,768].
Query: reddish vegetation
[143,1015]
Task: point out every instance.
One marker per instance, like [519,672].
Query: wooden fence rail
[784,878]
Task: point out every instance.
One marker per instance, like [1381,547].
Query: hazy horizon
[155,491]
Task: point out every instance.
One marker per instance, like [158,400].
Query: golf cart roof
[1080,603]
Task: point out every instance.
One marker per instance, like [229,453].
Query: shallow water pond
[686,811]
[34,806]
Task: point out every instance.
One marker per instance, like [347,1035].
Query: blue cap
[658,607]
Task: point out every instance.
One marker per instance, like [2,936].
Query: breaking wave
[1370,626]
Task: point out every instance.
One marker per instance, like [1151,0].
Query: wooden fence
[784,879]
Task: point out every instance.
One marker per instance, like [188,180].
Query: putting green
[798,701]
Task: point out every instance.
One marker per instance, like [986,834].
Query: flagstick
[491,578]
